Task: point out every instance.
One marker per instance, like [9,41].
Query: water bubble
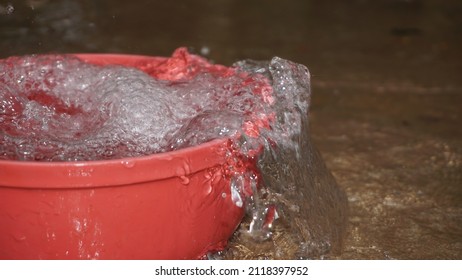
[90,112]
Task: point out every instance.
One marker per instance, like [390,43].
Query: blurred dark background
[407,39]
[387,93]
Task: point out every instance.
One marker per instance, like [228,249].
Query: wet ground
[386,104]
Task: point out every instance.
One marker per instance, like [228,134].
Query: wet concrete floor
[386,104]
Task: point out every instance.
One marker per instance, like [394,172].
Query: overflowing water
[59,108]
[295,185]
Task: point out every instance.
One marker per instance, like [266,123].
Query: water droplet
[8,10]
[77,225]
[184,180]
[50,235]
[128,163]
[235,194]
[205,50]
[20,79]
[186,168]
[80,171]
[19,237]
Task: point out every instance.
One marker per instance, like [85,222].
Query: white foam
[90,112]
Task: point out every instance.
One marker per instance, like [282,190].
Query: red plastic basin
[174,205]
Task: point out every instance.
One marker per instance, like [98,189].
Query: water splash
[70,110]
[280,176]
